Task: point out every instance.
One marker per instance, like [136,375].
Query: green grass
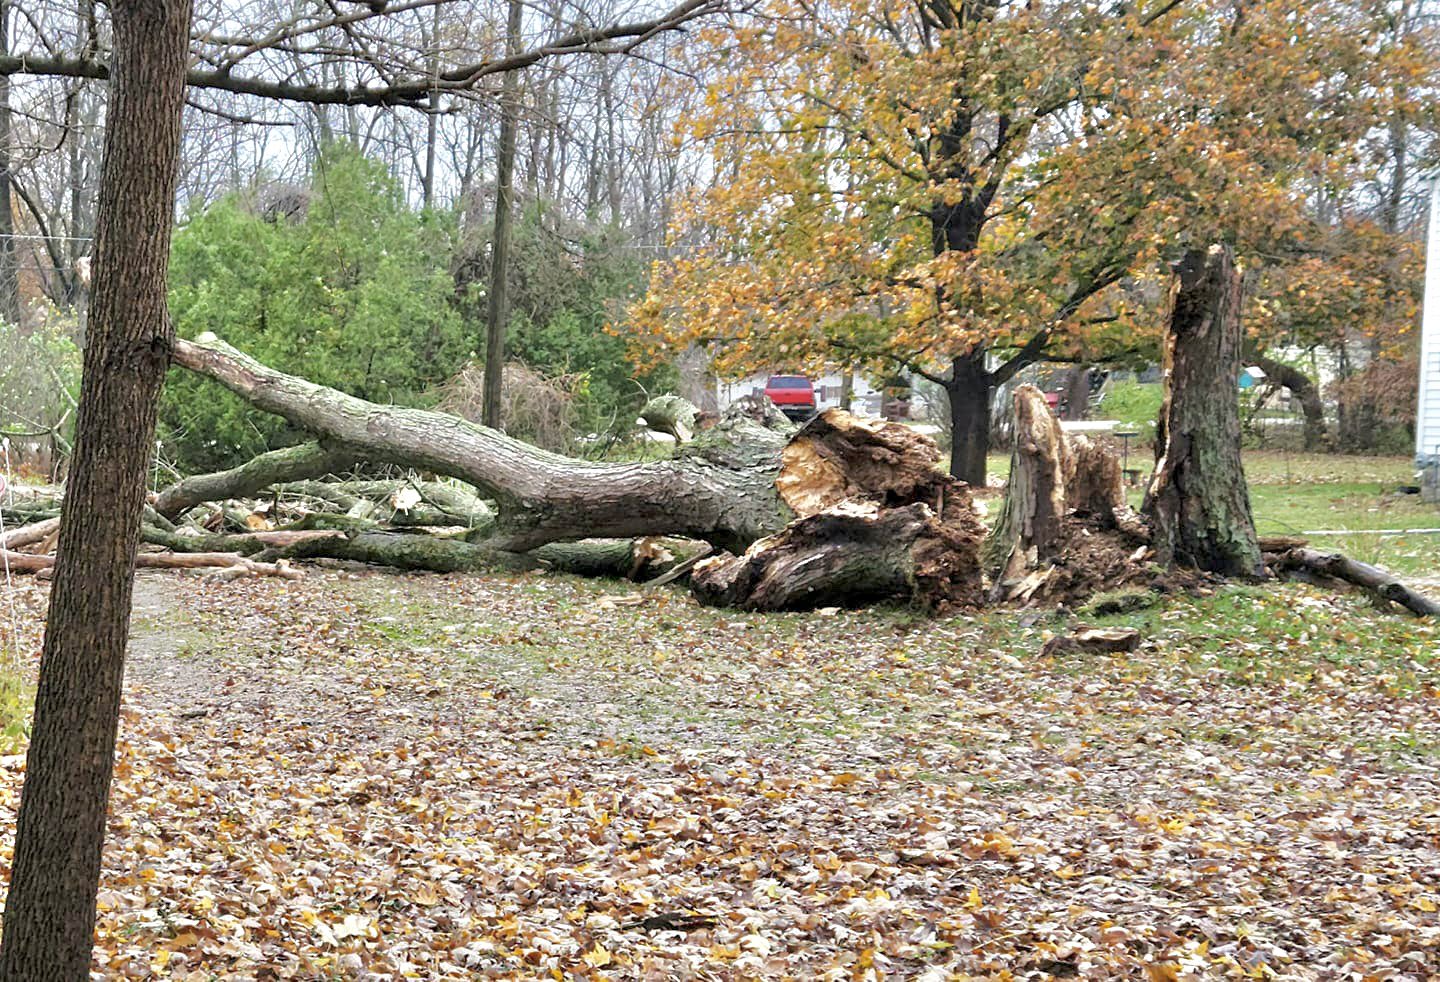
[1295,493]
[16,698]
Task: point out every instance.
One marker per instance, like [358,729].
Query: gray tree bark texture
[50,910]
[1198,503]
[298,463]
[719,490]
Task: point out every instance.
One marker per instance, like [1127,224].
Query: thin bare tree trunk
[9,264]
[50,910]
[500,248]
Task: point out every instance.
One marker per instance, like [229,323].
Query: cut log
[1376,581]
[852,554]
[29,534]
[1197,502]
[671,414]
[543,497]
[308,460]
[1093,640]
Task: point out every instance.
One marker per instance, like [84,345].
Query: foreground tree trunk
[50,909]
[1197,502]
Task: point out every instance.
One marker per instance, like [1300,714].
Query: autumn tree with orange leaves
[964,188]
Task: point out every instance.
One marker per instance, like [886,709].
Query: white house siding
[1427,418]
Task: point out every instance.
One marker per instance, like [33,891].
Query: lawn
[526,776]
[1352,500]
[373,775]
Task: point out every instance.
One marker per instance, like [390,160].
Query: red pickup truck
[793,395]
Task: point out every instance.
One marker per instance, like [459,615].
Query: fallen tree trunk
[621,559]
[243,544]
[29,534]
[543,497]
[308,460]
[25,562]
[1372,579]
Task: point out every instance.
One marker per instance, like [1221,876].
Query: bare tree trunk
[500,248]
[50,910]
[9,264]
[1198,503]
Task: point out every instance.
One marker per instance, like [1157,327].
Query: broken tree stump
[1198,503]
[1029,532]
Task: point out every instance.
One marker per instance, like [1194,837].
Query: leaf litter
[381,776]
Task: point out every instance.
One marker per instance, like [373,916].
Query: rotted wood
[850,554]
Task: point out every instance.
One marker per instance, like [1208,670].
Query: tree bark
[50,910]
[497,308]
[1198,503]
[968,389]
[1031,528]
[298,463]
[720,488]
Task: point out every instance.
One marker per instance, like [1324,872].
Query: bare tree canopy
[349,54]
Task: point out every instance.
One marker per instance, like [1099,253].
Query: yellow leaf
[597,957]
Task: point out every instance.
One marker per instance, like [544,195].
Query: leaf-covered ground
[381,776]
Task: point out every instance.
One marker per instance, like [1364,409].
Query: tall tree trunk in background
[968,391]
[1198,503]
[50,911]
[432,117]
[500,248]
[9,266]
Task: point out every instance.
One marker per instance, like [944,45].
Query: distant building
[1427,413]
